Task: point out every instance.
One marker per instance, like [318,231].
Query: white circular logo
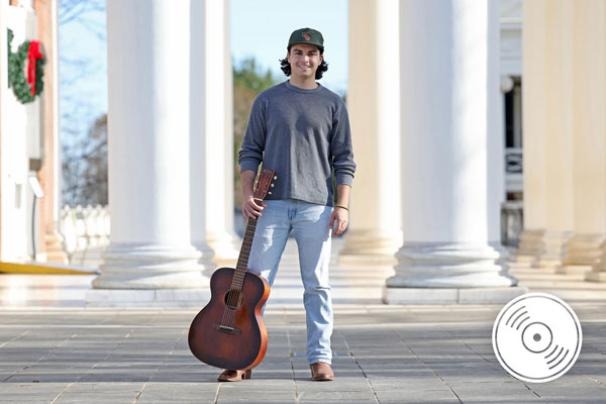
[537,337]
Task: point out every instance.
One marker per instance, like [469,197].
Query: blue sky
[259,29]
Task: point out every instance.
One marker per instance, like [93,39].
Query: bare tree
[83,132]
[80,12]
[85,169]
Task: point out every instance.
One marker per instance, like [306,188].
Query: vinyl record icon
[537,337]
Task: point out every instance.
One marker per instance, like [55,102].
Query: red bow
[33,54]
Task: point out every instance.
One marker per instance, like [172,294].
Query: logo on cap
[306,36]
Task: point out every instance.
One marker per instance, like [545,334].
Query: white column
[589,128]
[564,130]
[219,161]
[535,135]
[197,150]
[50,173]
[549,64]
[495,141]
[445,100]
[590,168]
[148,75]
[373,101]
[589,103]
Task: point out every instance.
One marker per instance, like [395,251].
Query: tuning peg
[272,185]
[275,177]
[269,193]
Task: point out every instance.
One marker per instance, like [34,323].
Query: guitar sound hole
[233,299]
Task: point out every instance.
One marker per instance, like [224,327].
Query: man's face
[304,61]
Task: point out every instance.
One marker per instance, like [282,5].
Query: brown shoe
[321,372]
[234,375]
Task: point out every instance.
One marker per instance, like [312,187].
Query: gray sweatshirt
[304,136]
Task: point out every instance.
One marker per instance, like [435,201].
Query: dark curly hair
[285,66]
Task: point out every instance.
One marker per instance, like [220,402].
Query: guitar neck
[242,265]
[262,189]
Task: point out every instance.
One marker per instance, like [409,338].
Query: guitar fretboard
[242,265]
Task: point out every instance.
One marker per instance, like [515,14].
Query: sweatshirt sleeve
[251,151]
[341,148]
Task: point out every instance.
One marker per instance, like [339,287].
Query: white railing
[85,231]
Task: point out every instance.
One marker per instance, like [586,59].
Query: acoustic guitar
[229,332]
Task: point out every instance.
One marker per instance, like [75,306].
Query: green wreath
[16,72]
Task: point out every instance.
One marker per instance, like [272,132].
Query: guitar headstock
[265,183]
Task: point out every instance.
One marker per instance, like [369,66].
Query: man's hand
[251,207]
[338,220]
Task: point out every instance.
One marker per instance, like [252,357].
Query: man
[301,130]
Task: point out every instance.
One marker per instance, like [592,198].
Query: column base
[584,249]
[207,257]
[526,261]
[226,248]
[393,295]
[449,265]
[596,276]
[531,242]
[575,270]
[53,251]
[531,246]
[598,271]
[165,298]
[370,247]
[555,249]
[367,260]
[137,266]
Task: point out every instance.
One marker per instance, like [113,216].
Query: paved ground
[384,354]
[53,349]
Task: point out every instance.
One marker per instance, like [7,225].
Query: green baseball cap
[307,36]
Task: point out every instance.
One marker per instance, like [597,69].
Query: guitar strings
[232,297]
[234,293]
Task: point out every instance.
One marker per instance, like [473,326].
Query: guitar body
[229,332]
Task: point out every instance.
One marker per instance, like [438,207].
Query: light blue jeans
[308,224]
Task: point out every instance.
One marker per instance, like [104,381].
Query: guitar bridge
[227,329]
